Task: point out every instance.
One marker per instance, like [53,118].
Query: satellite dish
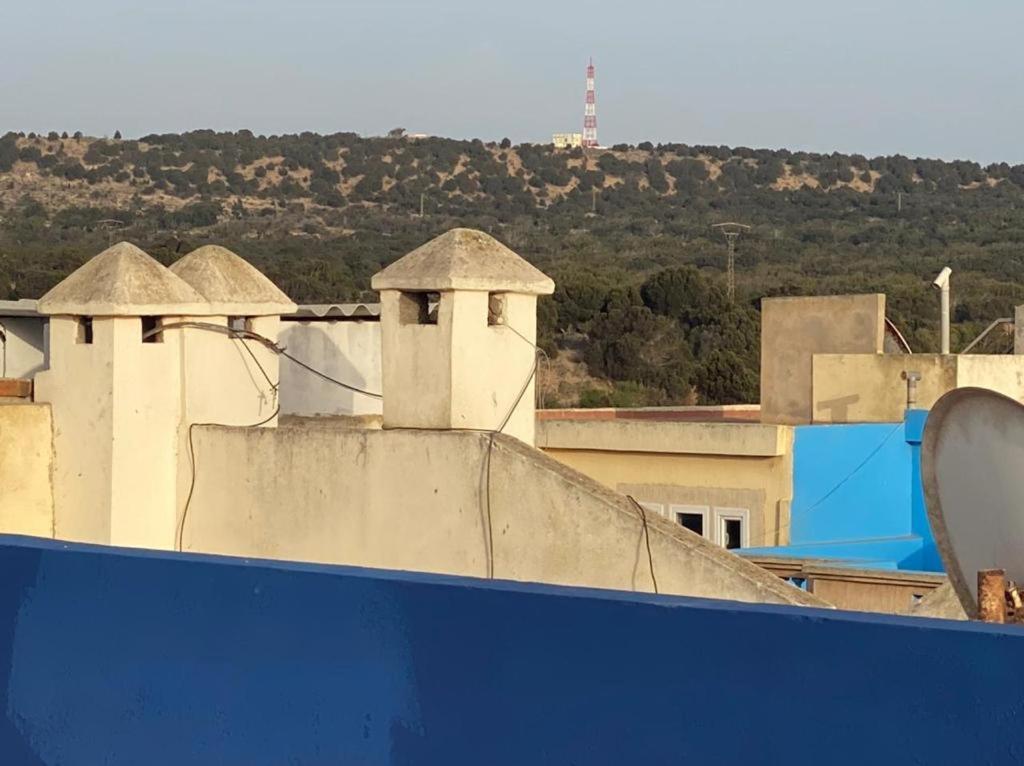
[972,468]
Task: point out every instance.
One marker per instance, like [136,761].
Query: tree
[396,133]
[505,143]
[686,295]
[117,135]
[628,342]
[723,378]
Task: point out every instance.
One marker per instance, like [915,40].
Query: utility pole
[731,231]
[421,204]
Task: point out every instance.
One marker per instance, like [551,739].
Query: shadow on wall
[120,657]
[345,350]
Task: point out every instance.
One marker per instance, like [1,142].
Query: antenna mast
[590,110]
[732,232]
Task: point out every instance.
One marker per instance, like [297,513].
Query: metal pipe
[912,378]
[986,331]
[992,595]
[941,282]
[945,318]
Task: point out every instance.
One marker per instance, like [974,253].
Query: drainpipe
[941,283]
[912,378]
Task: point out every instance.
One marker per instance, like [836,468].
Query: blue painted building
[115,656]
[857,497]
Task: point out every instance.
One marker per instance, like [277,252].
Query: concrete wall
[26,463]
[794,329]
[23,353]
[466,373]
[228,380]
[868,388]
[439,502]
[348,350]
[116,406]
[715,465]
[119,657]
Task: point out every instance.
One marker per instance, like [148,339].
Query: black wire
[328,378]
[647,538]
[180,532]
[250,335]
[490,529]
[492,435]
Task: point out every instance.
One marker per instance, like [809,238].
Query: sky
[931,79]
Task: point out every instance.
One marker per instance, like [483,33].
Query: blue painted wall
[857,496]
[119,657]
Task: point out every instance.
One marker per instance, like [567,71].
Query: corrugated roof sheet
[335,311]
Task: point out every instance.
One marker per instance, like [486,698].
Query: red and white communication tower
[590,110]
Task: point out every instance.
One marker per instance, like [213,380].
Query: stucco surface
[421,501]
[346,350]
[122,281]
[117,406]
[460,372]
[793,330]
[738,439]
[26,464]
[868,388]
[23,348]
[231,285]
[463,259]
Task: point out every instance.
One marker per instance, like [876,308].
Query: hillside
[625,231]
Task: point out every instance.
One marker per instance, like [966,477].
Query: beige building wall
[116,407]
[26,464]
[449,364]
[348,350]
[445,502]
[869,388]
[79,387]
[718,465]
[793,330]
[22,346]
[229,380]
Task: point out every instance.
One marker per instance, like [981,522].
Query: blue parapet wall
[858,498]
[118,657]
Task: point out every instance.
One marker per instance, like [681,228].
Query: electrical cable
[647,538]
[180,532]
[277,349]
[241,336]
[836,487]
[492,435]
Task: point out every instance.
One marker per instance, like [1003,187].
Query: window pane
[733,533]
[692,521]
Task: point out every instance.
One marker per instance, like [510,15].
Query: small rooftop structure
[458,336]
[230,284]
[122,281]
[23,307]
[463,259]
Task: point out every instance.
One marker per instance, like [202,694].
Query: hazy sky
[938,79]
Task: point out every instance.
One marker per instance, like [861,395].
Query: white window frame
[702,510]
[732,514]
[657,508]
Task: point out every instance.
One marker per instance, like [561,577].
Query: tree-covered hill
[640,315]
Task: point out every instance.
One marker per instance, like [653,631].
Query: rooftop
[230,284]
[123,281]
[463,259]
